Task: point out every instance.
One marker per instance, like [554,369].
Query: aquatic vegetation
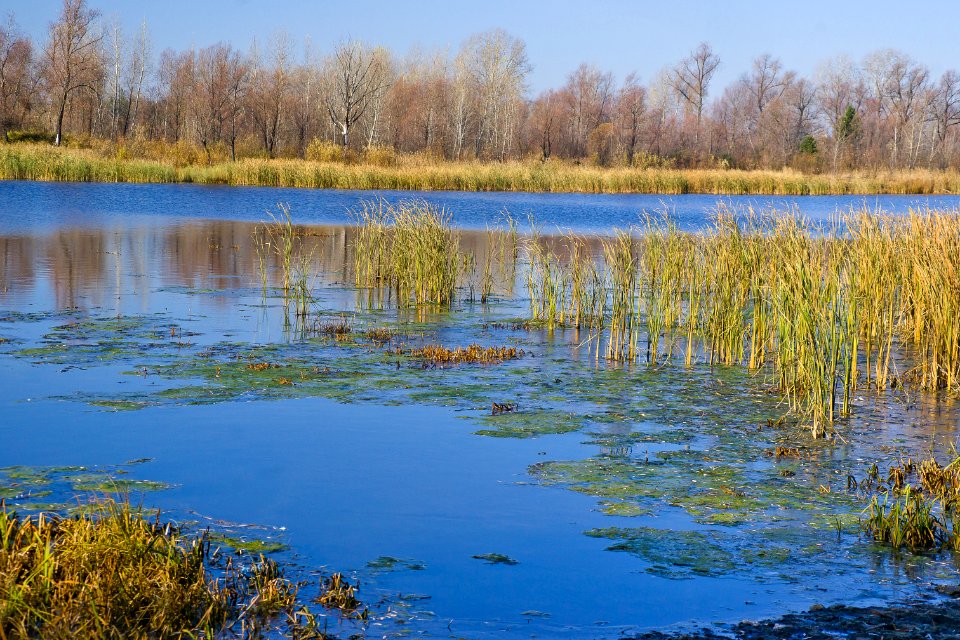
[337,593]
[379,335]
[104,483]
[496,558]
[255,546]
[410,248]
[94,340]
[810,306]
[389,563]
[474,353]
[114,573]
[919,515]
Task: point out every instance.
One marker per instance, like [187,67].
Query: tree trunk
[63,107]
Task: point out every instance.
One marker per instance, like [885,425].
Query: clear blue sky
[616,35]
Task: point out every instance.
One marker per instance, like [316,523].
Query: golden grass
[870,301]
[112,573]
[24,161]
[472,354]
[410,248]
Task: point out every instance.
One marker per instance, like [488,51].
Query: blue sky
[616,35]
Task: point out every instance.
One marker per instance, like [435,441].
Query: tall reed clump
[546,284]
[870,299]
[410,248]
[113,573]
[621,265]
[662,265]
[930,299]
[815,328]
[727,281]
[280,242]
[875,282]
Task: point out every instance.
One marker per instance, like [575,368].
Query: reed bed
[410,248]
[113,573]
[869,301]
[41,162]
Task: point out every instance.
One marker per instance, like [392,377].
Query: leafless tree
[945,112]
[588,96]
[17,84]
[269,87]
[495,65]
[691,79]
[632,108]
[354,76]
[72,59]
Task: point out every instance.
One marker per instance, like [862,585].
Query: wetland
[450,419]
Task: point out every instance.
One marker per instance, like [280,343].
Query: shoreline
[899,620]
[50,164]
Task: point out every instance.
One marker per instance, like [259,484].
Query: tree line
[90,80]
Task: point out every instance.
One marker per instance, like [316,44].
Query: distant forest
[89,81]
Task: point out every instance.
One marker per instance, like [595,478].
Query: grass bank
[46,163]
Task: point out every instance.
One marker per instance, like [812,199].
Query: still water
[628,498]
[33,205]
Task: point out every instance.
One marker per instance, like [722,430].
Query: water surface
[630,498]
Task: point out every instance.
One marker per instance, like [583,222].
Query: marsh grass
[111,572]
[410,248]
[42,162]
[868,300]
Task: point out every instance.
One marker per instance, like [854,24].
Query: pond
[138,351]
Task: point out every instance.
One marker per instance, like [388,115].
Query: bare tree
[495,65]
[588,95]
[907,92]
[72,58]
[219,76]
[138,66]
[16,77]
[354,77]
[945,111]
[304,99]
[631,111]
[545,114]
[269,86]
[839,86]
[767,81]
[691,79]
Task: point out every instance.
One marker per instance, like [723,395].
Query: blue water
[346,482]
[45,204]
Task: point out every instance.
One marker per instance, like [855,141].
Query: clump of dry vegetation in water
[114,573]
[472,354]
[337,593]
